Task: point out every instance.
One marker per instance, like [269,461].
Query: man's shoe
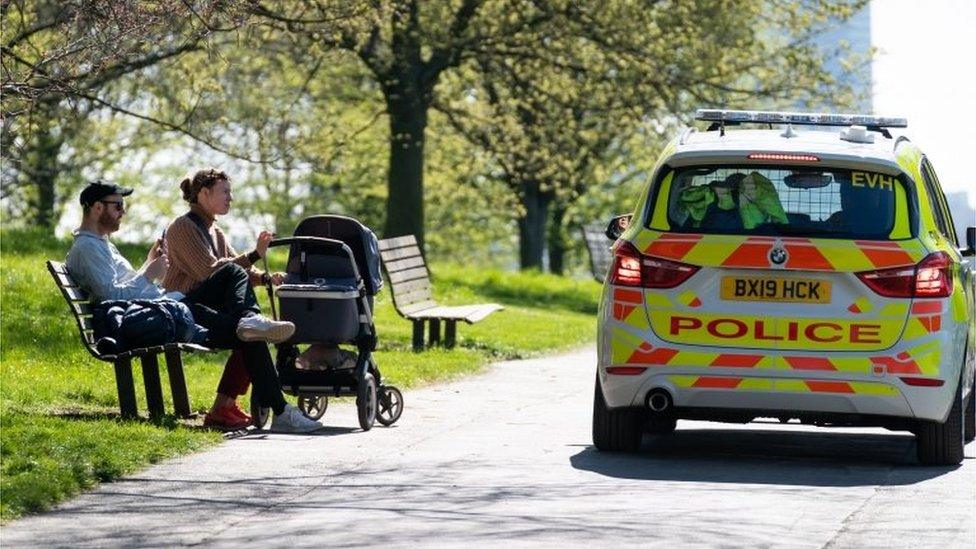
[293,421]
[262,328]
[224,418]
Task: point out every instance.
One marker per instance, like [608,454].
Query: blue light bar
[800,118]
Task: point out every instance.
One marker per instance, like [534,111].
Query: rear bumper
[857,384]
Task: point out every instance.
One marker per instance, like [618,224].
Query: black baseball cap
[98,189]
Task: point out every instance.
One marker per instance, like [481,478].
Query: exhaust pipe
[658,401]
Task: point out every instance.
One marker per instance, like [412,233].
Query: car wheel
[970,434]
[942,443]
[615,430]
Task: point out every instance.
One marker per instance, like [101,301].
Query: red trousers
[235,380]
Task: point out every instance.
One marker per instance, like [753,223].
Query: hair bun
[187,187]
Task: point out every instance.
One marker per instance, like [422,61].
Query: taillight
[923,381]
[934,277]
[930,278]
[632,268]
[626,265]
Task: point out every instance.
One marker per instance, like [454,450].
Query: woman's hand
[263,240]
[277,279]
[158,248]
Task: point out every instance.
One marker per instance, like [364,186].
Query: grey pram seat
[331,276]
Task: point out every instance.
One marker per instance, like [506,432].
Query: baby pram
[331,276]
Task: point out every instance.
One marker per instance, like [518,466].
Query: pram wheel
[390,405]
[366,401]
[260,416]
[313,406]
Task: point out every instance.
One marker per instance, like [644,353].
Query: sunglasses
[119,204]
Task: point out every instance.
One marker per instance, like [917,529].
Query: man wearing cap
[225,303]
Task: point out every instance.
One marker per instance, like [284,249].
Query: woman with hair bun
[196,248]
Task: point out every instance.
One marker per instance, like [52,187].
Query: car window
[822,202]
[943,218]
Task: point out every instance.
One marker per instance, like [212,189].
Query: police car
[793,273]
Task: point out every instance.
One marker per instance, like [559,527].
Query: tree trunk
[557,240]
[42,167]
[407,110]
[532,225]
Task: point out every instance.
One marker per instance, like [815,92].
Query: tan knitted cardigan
[192,260]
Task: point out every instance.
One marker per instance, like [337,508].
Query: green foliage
[59,431]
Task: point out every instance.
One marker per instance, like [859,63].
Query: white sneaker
[262,328]
[292,420]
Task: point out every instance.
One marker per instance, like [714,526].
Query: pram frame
[366,381]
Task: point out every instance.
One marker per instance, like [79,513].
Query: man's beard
[109,222]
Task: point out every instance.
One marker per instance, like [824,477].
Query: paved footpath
[504,459]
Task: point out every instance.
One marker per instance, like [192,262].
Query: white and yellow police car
[790,273]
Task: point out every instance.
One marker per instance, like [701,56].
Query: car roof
[699,147]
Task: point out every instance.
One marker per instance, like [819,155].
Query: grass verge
[59,430]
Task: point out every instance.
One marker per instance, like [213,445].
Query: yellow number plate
[795,290]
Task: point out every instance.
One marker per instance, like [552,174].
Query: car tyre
[615,430]
[942,443]
[661,425]
[970,432]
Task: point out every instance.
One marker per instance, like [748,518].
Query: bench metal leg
[177,383]
[434,332]
[418,335]
[154,390]
[450,333]
[126,388]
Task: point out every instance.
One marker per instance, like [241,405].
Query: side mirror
[970,242]
[618,224]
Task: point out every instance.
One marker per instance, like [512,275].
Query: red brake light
[784,157]
[632,268]
[626,265]
[930,278]
[934,277]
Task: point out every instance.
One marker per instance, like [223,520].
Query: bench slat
[404,264]
[414,308]
[467,313]
[400,253]
[64,279]
[413,297]
[57,267]
[410,285]
[410,274]
[75,294]
[398,242]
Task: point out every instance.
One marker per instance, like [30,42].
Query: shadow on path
[766,457]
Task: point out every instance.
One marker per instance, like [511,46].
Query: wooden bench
[81,308]
[598,247]
[410,285]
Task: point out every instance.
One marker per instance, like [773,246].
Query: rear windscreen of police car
[822,202]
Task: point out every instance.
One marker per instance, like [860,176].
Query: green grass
[59,431]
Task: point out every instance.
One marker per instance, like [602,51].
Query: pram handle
[318,241]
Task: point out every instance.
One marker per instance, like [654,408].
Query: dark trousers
[218,304]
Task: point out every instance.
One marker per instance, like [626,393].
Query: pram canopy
[360,239]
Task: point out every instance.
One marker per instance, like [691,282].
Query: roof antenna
[788,131]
